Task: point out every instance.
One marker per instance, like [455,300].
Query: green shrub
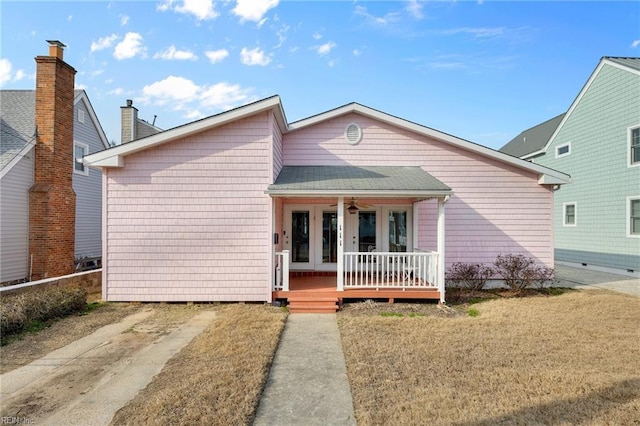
[22,311]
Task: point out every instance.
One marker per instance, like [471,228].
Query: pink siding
[189,220]
[496,208]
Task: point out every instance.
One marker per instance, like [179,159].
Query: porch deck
[320,294]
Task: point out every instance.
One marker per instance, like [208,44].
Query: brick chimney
[129,121]
[52,201]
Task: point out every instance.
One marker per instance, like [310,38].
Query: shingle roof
[533,139]
[17,124]
[633,63]
[353,179]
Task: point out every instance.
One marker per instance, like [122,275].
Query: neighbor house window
[633,216]
[79,151]
[563,150]
[569,211]
[634,146]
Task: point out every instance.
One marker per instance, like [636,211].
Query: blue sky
[481,70]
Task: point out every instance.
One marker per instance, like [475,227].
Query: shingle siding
[496,208]
[601,178]
[188,220]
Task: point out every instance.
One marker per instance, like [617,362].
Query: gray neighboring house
[597,142]
[17,142]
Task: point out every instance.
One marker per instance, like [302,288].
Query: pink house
[245,206]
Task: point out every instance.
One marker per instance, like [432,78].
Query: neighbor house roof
[17,125]
[361,181]
[533,139]
[115,157]
[18,128]
[631,65]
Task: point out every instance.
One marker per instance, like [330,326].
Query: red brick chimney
[52,201]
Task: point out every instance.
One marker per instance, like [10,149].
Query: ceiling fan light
[352,209]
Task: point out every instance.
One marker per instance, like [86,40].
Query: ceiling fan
[354,206]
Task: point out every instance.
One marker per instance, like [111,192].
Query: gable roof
[533,139]
[17,125]
[376,181]
[114,157]
[631,65]
[18,128]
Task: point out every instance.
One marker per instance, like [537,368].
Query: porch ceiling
[375,181]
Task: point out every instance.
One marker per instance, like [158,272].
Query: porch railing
[391,270]
[281,279]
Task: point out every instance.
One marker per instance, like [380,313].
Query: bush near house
[34,308]
[519,273]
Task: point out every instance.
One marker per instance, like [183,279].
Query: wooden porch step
[311,304]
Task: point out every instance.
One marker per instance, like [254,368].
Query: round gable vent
[353,134]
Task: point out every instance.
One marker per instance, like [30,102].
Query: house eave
[358,193]
[103,158]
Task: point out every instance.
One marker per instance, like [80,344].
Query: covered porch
[354,236]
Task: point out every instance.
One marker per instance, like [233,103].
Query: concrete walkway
[308,382]
[583,278]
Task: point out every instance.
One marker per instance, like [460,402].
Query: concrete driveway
[583,278]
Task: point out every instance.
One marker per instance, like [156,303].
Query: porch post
[416,209]
[441,201]
[340,277]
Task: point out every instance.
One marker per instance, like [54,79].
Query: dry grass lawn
[218,378]
[563,360]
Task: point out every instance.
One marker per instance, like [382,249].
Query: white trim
[15,160]
[629,133]
[113,157]
[80,161]
[575,214]
[628,217]
[346,134]
[559,178]
[567,145]
[421,195]
[574,104]
[92,115]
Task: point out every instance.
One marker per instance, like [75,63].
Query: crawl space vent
[353,134]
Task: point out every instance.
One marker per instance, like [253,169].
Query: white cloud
[481,32]
[635,43]
[129,47]
[253,10]
[103,43]
[387,19]
[124,20]
[415,9]
[7,74]
[171,89]
[194,115]
[317,36]
[118,91]
[216,55]
[201,9]
[331,63]
[325,48]
[282,35]
[80,86]
[5,70]
[173,54]
[224,95]
[356,52]
[96,73]
[254,57]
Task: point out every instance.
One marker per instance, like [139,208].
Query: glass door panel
[397,231]
[366,231]
[329,237]
[300,237]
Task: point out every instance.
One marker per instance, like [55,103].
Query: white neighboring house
[17,137]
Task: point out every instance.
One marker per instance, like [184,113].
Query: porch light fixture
[352,209]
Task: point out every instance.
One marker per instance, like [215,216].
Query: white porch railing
[281,281]
[391,270]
